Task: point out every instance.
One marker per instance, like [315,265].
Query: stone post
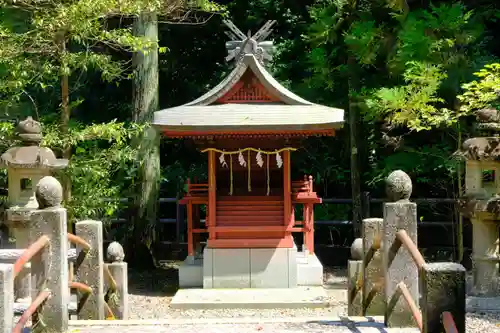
[6,297]
[355,279]
[485,256]
[49,268]
[90,271]
[118,302]
[400,214]
[373,272]
[443,289]
[22,283]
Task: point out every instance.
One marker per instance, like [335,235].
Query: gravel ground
[483,322]
[151,293]
[310,327]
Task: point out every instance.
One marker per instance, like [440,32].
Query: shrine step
[251,298]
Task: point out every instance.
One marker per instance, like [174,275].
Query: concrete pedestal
[309,270]
[251,268]
[191,273]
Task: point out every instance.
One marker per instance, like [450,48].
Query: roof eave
[247,129]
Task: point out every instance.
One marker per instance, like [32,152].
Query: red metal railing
[34,249]
[30,311]
[448,323]
[33,310]
[109,293]
[417,315]
[27,255]
[84,289]
[78,241]
[403,239]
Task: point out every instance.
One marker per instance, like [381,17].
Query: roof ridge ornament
[241,45]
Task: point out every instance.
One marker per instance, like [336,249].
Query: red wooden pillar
[310,233]
[305,226]
[196,226]
[211,194]
[310,241]
[190,228]
[287,194]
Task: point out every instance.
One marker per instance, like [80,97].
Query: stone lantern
[26,165]
[482,201]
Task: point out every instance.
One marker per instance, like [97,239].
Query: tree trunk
[145,101]
[65,117]
[357,208]
[460,229]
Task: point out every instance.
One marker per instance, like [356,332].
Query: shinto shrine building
[249,126]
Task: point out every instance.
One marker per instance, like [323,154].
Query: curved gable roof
[289,113]
[267,80]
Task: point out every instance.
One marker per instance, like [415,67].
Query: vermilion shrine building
[249,126]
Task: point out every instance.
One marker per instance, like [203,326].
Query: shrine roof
[273,108]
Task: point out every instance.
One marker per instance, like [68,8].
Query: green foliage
[63,37]
[437,35]
[101,153]
[411,63]
[423,162]
[414,105]
[42,42]
[482,93]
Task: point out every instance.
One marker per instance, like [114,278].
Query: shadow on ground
[334,277]
[352,326]
[162,281]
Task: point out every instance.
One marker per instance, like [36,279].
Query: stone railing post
[118,299]
[6,297]
[18,219]
[90,271]
[443,289]
[355,279]
[400,214]
[373,272]
[49,268]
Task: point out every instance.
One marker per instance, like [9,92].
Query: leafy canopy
[482,93]
[44,41]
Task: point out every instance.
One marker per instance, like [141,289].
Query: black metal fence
[333,237]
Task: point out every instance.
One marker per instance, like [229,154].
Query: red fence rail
[30,311]
[448,323]
[34,249]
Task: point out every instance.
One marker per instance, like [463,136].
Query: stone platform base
[251,268]
[309,270]
[482,304]
[261,298]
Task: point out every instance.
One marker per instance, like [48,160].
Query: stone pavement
[259,298]
[242,325]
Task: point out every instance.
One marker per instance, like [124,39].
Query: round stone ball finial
[115,252]
[48,192]
[398,186]
[357,249]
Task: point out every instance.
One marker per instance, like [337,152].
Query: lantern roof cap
[29,155]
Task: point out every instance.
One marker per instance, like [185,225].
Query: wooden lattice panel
[248,90]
